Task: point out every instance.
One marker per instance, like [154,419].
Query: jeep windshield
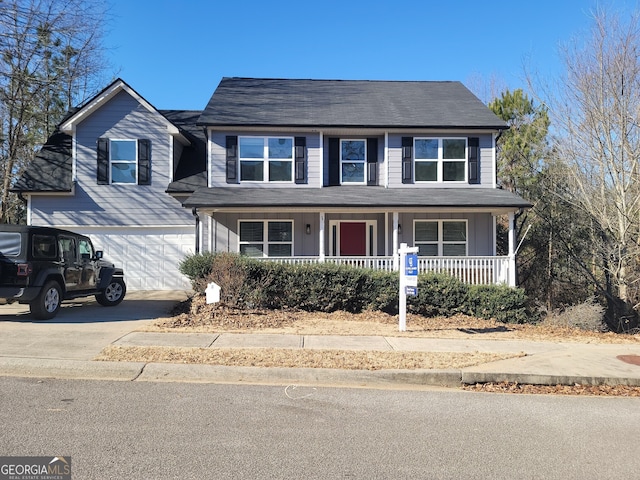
[10,243]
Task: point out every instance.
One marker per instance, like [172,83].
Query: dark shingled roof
[191,171]
[346,103]
[353,198]
[50,170]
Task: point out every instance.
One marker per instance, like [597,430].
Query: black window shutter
[474,160]
[232,159]
[372,161]
[334,161]
[301,159]
[407,159]
[144,162]
[102,171]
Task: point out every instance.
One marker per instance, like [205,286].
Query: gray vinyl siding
[218,153]
[395,162]
[479,229]
[116,205]
[224,236]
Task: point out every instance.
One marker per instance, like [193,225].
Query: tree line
[51,59]
[573,150]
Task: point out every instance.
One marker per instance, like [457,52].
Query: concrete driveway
[82,327]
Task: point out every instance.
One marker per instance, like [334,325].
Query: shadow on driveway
[135,306]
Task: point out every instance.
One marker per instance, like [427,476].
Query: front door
[353,239]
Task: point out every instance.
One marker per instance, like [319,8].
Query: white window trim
[440,242]
[364,162]
[265,240]
[111,162]
[440,160]
[334,249]
[266,159]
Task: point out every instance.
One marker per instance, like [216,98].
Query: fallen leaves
[508,387]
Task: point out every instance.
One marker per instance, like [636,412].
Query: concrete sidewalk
[544,363]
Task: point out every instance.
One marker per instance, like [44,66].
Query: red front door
[353,238]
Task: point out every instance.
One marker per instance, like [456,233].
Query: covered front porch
[454,229]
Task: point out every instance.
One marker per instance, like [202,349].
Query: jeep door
[71,265]
[88,275]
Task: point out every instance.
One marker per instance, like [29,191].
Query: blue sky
[174,53]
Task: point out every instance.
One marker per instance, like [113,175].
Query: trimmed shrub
[196,267]
[505,304]
[439,295]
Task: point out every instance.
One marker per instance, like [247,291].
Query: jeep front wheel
[47,303]
[113,294]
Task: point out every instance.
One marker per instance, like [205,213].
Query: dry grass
[197,316]
[300,358]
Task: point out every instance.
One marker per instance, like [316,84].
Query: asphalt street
[151,430]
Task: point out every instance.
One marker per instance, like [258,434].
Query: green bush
[196,267]
[505,304]
[438,295]
[327,287]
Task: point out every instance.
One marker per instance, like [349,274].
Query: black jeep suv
[42,266]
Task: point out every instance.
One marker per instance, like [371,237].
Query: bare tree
[50,59]
[595,112]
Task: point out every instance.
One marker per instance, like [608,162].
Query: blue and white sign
[411,264]
[408,281]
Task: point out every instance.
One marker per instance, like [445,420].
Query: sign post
[408,280]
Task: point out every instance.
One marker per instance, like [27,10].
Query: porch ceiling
[352,198]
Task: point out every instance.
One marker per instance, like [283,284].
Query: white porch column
[396,264]
[321,237]
[512,249]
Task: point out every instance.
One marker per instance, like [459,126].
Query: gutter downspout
[194,211]
[495,163]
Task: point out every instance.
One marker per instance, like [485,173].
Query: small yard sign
[408,280]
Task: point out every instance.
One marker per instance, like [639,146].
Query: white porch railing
[470,270]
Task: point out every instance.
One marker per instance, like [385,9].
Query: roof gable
[102,98]
[346,103]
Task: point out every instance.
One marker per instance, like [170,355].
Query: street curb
[196,373]
[168,372]
[69,369]
[471,378]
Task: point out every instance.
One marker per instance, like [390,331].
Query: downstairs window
[266,238]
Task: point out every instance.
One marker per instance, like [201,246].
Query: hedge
[327,287]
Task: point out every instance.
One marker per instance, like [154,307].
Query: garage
[149,256]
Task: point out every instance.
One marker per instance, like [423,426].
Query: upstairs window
[353,155]
[441,238]
[124,161]
[440,159]
[266,159]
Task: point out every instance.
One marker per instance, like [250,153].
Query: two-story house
[291,170]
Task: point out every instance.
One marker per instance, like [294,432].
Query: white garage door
[149,256]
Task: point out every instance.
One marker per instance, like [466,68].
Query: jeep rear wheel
[47,303]
[113,294]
